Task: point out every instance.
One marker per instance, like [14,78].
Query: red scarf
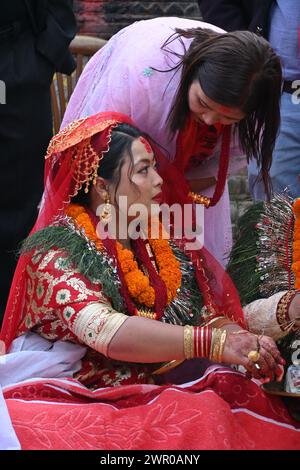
[196,143]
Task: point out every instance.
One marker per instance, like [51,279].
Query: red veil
[71,162]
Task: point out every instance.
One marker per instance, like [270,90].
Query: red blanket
[222,410]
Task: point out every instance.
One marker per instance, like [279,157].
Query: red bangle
[202,341]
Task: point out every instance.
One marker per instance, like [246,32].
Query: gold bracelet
[222,344]
[213,335]
[209,321]
[216,344]
[282,310]
[219,322]
[188,341]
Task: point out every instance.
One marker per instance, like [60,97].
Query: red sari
[120,409]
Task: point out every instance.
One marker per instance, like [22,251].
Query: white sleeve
[261,316]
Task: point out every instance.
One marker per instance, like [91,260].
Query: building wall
[103,18]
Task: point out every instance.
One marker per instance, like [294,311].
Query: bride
[114,310]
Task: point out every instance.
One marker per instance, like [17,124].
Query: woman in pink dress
[190,85]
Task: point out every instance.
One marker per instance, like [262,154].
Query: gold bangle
[216,344]
[210,321]
[219,322]
[282,311]
[213,335]
[222,344]
[188,341]
[216,348]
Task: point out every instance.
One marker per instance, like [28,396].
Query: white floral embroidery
[63,296]
[68,312]
[62,263]
[80,286]
[36,257]
[121,374]
[59,286]
[47,258]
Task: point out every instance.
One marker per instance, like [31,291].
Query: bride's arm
[147,340]
[143,340]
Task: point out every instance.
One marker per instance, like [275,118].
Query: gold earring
[105,215]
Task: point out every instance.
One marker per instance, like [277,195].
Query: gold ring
[253,356]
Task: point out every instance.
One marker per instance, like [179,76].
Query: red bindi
[224,109]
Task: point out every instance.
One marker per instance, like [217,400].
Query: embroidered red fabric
[78,147]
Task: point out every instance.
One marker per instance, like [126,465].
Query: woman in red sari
[134,303]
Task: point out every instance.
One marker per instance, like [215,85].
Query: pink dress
[120,77]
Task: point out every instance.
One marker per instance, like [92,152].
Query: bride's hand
[267,365]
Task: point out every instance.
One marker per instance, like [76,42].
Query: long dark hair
[122,137]
[237,69]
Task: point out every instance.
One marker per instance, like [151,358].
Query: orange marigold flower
[296,207]
[147,297]
[74,210]
[296,256]
[296,267]
[138,284]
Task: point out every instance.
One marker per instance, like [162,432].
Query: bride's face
[139,182]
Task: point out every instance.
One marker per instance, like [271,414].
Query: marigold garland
[137,282]
[296,244]
[83,221]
